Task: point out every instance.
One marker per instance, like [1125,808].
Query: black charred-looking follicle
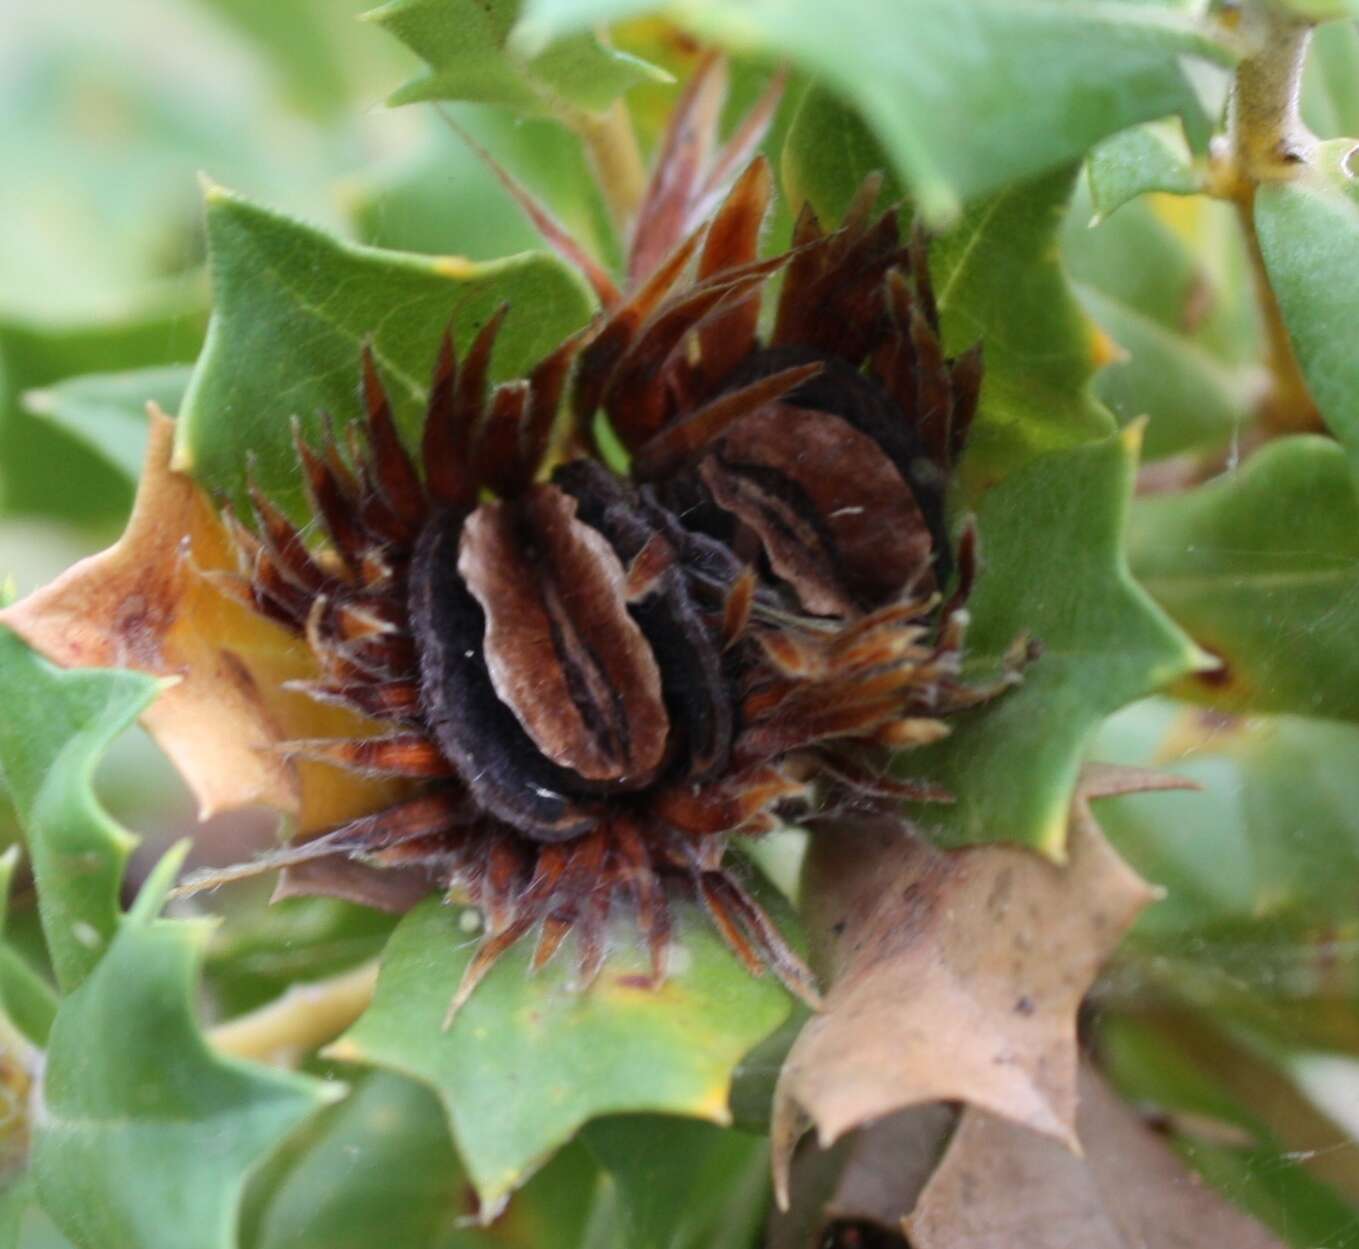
[598,682]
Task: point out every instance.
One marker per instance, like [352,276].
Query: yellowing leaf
[954,975]
[145,605]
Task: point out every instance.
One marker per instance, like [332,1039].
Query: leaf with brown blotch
[146,604]
[1001,1187]
[954,974]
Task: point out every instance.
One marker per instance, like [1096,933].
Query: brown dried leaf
[144,604]
[954,975]
[1001,1187]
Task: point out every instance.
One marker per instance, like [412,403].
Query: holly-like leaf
[1309,236]
[1051,537]
[379,1169]
[953,974]
[999,282]
[1259,566]
[55,727]
[465,42]
[965,97]
[146,604]
[293,308]
[107,411]
[681,1183]
[529,1059]
[999,1186]
[1154,157]
[147,1137]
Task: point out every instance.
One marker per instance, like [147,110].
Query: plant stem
[1267,142]
[612,145]
[303,1018]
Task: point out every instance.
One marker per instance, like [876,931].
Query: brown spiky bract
[599,681]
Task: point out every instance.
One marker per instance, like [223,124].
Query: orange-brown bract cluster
[601,680]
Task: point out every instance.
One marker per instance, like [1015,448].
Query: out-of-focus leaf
[1321,10]
[56,726]
[953,975]
[1261,567]
[1259,910]
[681,1183]
[147,1136]
[999,1186]
[293,308]
[1154,157]
[107,411]
[45,471]
[1051,540]
[1309,235]
[1330,83]
[1209,1104]
[965,97]
[442,197]
[828,152]
[465,42]
[529,1059]
[1167,279]
[26,1000]
[146,604]
[379,1169]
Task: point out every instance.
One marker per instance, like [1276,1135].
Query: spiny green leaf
[147,1136]
[26,1000]
[57,724]
[1051,541]
[379,1169]
[294,306]
[1261,566]
[107,411]
[999,282]
[465,45]
[528,1059]
[1153,157]
[680,1183]
[1309,234]
[965,97]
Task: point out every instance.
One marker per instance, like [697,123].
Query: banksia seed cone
[598,680]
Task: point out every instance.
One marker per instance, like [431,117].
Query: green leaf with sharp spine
[965,97]
[465,43]
[1261,566]
[56,725]
[1053,568]
[147,1136]
[294,306]
[528,1060]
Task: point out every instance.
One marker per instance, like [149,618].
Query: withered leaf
[954,974]
[145,604]
[1001,1187]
